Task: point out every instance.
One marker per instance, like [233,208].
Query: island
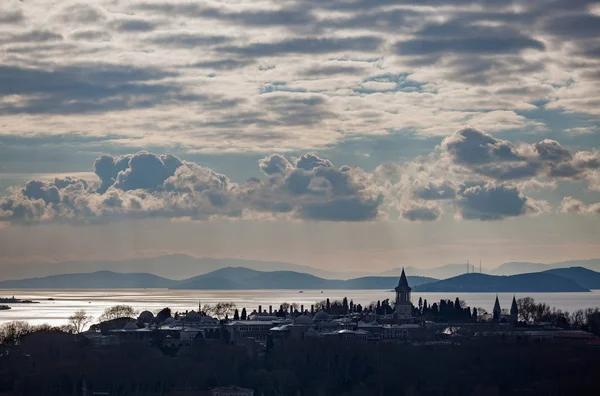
[13,300]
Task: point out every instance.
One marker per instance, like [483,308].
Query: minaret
[514,311]
[403,306]
[497,311]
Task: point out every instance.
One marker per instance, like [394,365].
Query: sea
[55,306]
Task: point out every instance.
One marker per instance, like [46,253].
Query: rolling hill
[517,267]
[583,276]
[93,280]
[538,282]
[230,278]
[244,278]
[178,266]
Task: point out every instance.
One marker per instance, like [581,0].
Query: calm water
[95,301]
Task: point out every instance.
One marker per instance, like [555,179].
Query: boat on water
[301,291]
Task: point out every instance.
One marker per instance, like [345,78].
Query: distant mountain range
[510,268]
[183,267]
[576,279]
[516,267]
[230,278]
[179,266]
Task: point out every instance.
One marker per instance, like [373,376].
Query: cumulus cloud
[486,201]
[311,161]
[572,205]
[148,185]
[501,160]
[274,164]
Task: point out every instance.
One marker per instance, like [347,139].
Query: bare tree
[526,309]
[223,309]
[79,320]
[117,311]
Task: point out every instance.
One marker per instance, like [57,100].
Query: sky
[345,134]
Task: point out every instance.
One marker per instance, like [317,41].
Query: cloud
[188,40]
[486,201]
[415,211]
[311,161]
[274,164]
[147,185]
[32,36]
[572,205]
[222,64]
[133,25]
[306,46]
[92,88]
[498,159]
[11,17]
[147,171]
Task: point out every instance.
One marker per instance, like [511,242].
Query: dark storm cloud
[147,171]
[107,167]
[470,146]
[420,213]
[87,88]
[307,45]
[481,201]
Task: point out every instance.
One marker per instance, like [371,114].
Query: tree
[327,305]
[117,311]
[163,314]
[420,303]
[79,320]
[526,309]
[244,314]
[223,309]
[475,314]
[236,315]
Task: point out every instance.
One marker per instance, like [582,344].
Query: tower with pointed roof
[497,310]
[403,306]
[514,311]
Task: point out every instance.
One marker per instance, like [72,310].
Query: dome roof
[146,317]
[303,319]
[321,316]
[130,326]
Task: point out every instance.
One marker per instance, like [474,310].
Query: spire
[403,282]
[514,310]
[497,305]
